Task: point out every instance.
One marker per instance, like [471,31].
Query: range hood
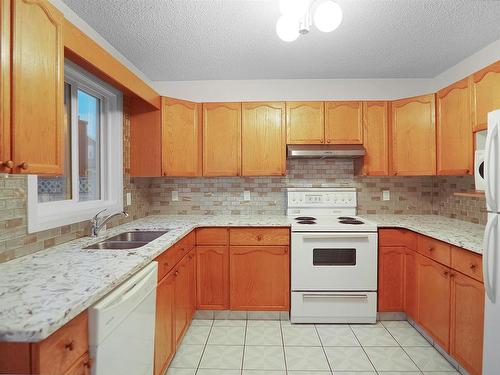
[325,151]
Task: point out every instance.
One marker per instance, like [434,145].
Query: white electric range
[333,258]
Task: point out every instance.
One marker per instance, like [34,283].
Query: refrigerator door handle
[490,167]
[488,284]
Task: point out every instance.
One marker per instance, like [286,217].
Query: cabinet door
[212,277]
[434,299]
[454,130]
[414,136]
[5,157]
[376,138]
[192,284]
[164,327]
[259,278]
[467,319]
[390,278]
[181,299]
[485,95]
[263,139]
[344,122]
[305,122]
[221,139]
[37,87]
[410,284]
[181,138]
[81,367]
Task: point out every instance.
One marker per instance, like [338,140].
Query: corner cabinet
[344,122]
[305,122]
[221,139]
[485,95]
[33,125]
[181,138]
[391,278]
[376,138]
[263,144]
[454,130]
[413,136]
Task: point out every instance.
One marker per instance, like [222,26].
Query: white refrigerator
[491,253]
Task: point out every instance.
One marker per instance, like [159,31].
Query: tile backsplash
[212,196]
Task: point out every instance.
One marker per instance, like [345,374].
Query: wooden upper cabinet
[454,130]
[485,95]
[376,138]
[467,322]
[263,139]
[4,86]
[37,87]
[305,122]
[221,139]
[344,122]
[181,138]
[413,136]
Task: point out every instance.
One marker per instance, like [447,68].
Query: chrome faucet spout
[96,223]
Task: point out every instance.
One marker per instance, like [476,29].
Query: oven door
[334,261]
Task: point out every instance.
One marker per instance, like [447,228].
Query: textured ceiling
[236,39]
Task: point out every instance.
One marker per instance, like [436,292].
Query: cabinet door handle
[259,237]
[328,141]
[431,249]
[8,164]
[24,165]
[473,266]
[69,346]
[176,273]
[446,273]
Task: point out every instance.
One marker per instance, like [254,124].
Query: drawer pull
[446,273]
[69,346]
[259,237]
[182,248]
[24,165]
[431,249]
[8,164]
[165,264]
[176,273]
[88,363]
[473,266]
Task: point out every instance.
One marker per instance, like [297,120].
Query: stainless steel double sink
[128,240]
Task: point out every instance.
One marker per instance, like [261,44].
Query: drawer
[334,307]
[259,236]
[434,249]
[468,263]
[167,260]
[185,244]
[212,236]
[57,353]
[397,237]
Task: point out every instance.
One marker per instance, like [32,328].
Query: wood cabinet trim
[380,143]
[5,59]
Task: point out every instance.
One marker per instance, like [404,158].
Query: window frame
[48,215]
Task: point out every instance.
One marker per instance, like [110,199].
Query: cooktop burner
[307,218]
[351,221]
[306,222]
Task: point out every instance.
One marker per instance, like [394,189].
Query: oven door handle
[335,295]
[334,236]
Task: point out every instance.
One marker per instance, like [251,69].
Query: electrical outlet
[386,195]
[246,195]
[129,199]
[175,196]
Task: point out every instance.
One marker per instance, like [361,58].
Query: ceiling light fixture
[297,16]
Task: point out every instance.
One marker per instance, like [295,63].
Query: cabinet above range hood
[325,151]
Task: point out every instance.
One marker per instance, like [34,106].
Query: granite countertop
[39,293]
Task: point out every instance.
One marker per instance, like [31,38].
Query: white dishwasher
[122,327]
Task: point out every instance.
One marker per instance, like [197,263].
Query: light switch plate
[386,195]
[175,196]
[246,195]
[129,199]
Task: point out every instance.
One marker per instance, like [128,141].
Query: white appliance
[333,258]
[479,181]
[491,254]
[122,327]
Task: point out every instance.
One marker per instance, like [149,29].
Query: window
[92,176]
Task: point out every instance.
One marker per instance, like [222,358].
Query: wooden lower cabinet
[259,278]
[467,322]
[164,328]
[434,299]
[410,305]
[390,282]
[212,277]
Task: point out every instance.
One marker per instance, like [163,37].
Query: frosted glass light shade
[328,16]
[287,28]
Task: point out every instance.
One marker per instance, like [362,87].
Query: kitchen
[241,214]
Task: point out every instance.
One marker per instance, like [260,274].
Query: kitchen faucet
[96,224]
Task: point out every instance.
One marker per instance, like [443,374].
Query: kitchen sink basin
[117,245]
[138,236]
[128,240]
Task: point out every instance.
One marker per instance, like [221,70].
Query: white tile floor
[264,347]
